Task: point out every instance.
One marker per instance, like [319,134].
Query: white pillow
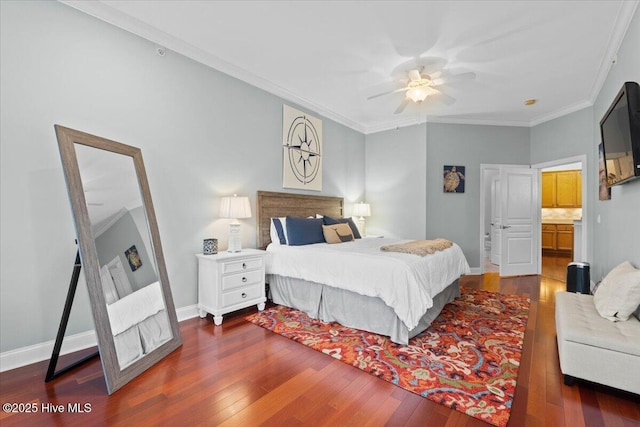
[273,233]
[618,296]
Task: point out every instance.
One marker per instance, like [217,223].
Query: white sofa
[594,348]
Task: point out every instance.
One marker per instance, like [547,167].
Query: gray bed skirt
[353,310]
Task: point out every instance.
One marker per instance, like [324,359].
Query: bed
[359,286]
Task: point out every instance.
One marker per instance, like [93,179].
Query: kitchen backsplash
[557,213]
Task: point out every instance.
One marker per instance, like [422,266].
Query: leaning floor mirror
[120,253]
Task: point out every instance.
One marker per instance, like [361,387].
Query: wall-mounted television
[620,131]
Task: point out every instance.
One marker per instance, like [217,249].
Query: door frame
[582,159]
[484,168]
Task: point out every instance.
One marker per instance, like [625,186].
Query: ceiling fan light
[417,94]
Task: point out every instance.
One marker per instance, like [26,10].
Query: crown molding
[561,112]
[395,124]
[623,20]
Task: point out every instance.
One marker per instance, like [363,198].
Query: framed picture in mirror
[121,254]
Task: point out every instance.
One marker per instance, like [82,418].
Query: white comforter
[406,283]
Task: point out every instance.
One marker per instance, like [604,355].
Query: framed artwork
[604,192]
[134,259]
[302,150]
[454,178]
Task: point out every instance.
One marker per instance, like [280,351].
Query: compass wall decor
[302,150]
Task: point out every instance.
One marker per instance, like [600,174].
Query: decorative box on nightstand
[229,281]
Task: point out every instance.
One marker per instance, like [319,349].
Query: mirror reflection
[128,269]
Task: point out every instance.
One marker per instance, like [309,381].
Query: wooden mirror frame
[114,376]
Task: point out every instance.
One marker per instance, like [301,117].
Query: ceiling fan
[419,86]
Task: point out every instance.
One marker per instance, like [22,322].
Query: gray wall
[405,173]
[456,216]
[396,182]
[616,237]
[203,135]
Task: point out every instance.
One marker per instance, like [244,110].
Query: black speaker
[578,277]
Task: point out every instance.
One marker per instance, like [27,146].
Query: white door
[496,209]
[519,222]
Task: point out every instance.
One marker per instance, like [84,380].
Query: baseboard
[38,352]
[188,312]
[24,356]
[475,271]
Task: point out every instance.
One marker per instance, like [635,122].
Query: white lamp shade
[235,207]
[362,209]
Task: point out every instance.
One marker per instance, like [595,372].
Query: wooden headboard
[271,204]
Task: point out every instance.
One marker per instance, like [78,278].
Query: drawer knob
[244,265]
[244,295]
[244,279]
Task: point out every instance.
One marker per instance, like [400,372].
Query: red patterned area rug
[467,359]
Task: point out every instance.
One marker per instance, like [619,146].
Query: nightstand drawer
[243,265]
[246,278]
[240,295]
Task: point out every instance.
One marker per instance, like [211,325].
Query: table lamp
[361,210]
[234,208]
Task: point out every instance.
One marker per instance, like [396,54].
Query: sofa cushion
[580,322]
[618,296]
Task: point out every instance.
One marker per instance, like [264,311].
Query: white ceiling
[330,56]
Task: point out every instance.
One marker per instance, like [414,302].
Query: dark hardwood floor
[239,374]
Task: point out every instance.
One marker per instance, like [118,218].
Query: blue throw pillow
[278,225]
[304,231]
[354,229]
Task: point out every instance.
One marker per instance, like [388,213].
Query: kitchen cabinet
[557,237]
[548,240]
[564,237]
[562,189]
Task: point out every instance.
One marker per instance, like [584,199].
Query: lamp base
[361,226]
[235,240]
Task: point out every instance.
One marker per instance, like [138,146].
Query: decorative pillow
[354,229]
[337,233]
[619,293]
[304,231]
[277,231]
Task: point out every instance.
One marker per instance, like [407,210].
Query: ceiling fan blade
[414,75]
[454,78]
[443,97]
[402,106]
[431,65]
[388,93]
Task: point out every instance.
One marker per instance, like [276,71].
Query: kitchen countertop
[559,221]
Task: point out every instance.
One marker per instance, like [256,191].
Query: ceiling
[330,56]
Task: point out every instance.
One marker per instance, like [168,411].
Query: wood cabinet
[564,237]
[557,237]
[562,189]
[548,240]
[230,281]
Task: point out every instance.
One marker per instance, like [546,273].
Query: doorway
[563,214]
[489,171]
[509,219]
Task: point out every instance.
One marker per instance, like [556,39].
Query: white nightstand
[230,281]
